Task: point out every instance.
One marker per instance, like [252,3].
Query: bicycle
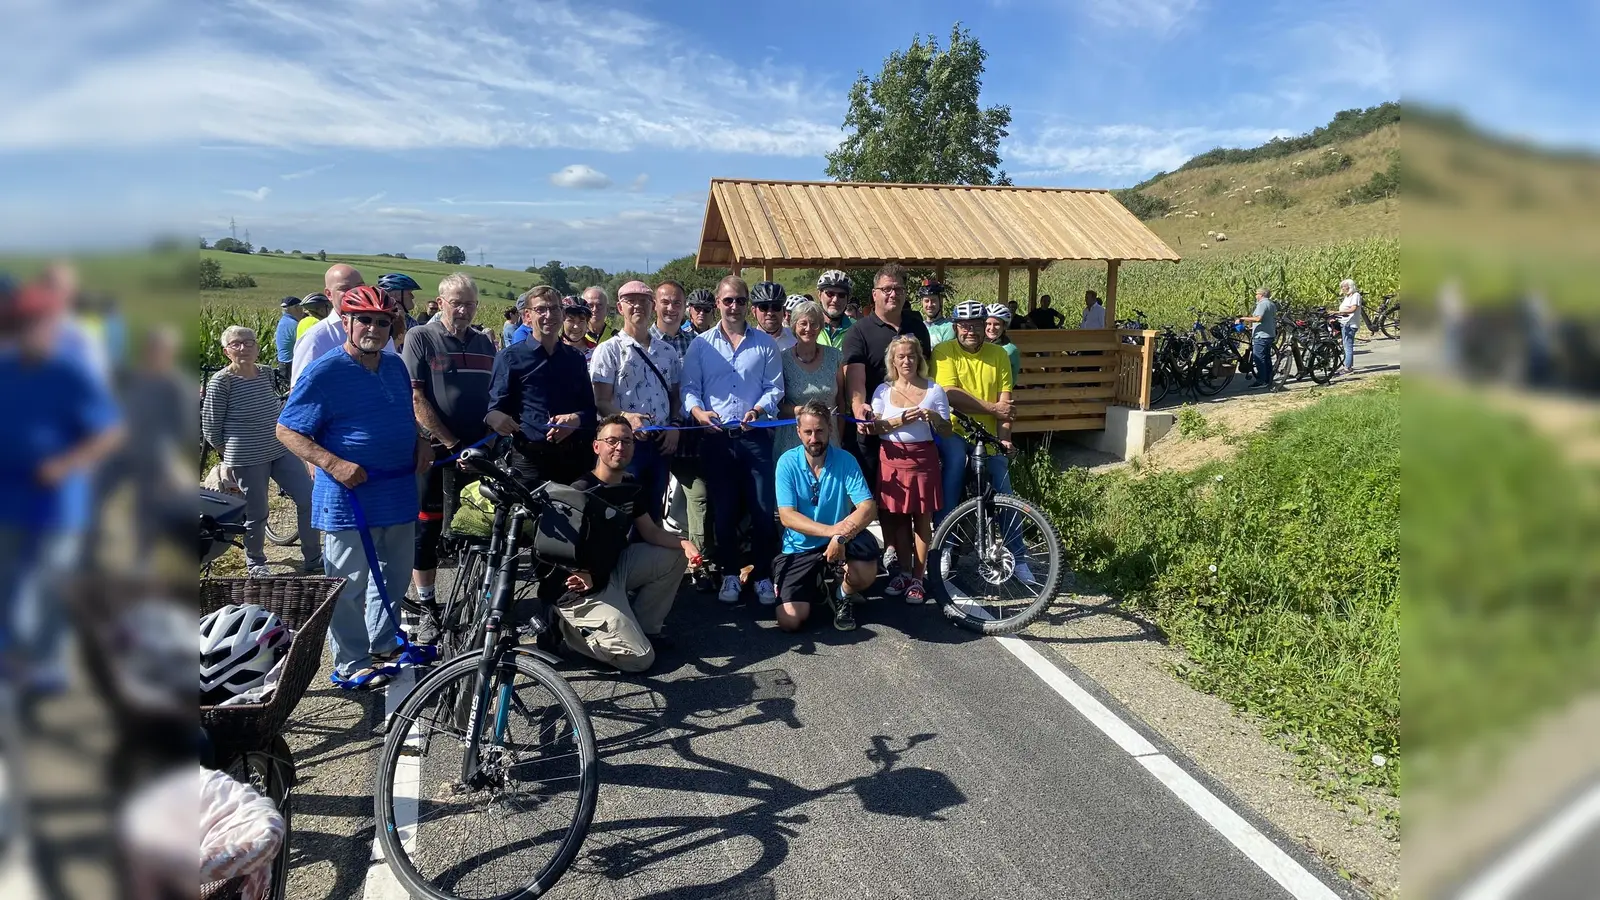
[982,557]
[492,741]
[1387,320]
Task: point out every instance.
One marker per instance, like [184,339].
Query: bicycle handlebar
[477,461]
[975,431]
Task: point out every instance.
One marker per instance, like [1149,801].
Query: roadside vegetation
[1277,571]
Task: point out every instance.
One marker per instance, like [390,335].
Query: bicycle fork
[494,639]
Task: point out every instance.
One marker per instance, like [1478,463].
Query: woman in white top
[1349,321]
[909,410]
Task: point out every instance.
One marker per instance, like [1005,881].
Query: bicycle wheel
[272,772]
[283,524]
[1160,383]
[1212,373]
[516,828]
[1001,586]
[1324,357]
[1389,324]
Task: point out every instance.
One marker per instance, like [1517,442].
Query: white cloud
[1162,17]
[258,195]
[305,173]
[580,177]
[300,73]
[1125,153]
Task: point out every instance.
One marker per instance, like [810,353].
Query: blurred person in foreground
[62,422]
[240,417]
[350,415]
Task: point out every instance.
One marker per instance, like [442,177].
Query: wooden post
[736,269]
[1005,284]
[1111,292]
[938,272]
[1033,286]
[1147,356]
[766,272]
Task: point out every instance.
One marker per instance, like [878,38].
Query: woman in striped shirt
[240,419]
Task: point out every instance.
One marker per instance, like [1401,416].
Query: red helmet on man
[366,298]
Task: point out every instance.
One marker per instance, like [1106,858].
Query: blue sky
[587,131]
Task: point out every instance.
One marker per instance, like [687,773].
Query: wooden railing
[1068,379]
[1134,362]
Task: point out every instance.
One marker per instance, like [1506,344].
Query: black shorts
[799,576]
[431,518]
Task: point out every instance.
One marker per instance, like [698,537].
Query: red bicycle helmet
[366,299]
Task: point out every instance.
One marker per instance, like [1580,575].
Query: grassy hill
[279,276]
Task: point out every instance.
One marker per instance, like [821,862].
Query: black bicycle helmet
[930,288]
[767,292]
[701,298]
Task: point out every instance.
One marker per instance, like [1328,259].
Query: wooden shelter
[1068,376]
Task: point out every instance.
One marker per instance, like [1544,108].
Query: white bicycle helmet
[967,310]
[834,279]
[239,645]
[1000,311]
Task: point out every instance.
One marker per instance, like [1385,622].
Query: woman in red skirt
[909,409]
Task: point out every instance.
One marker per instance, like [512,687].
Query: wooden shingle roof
[810,224]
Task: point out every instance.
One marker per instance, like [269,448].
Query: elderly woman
[240,419]
[1349,321]
[995,328]
[909,410]
[811,371]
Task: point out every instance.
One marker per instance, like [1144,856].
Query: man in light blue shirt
[1263,321]
[733,376]
[283,337]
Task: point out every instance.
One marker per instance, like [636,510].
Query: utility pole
[480,257]
[233,229]
[247,237]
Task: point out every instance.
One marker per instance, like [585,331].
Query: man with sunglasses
[833,292]
[541,386]
[615,616]
[733,376]
[766,298]
[329,333]
[350,416]
[702,311]
[825,507]
[450,364]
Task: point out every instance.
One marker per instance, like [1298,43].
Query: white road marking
[1271,859]
[1534,855]
[381,883]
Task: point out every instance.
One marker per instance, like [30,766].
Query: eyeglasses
[376,321]
[891,289]
[241,343]
[734,301]
[545,310]
[617,441]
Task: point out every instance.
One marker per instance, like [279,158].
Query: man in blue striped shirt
[732,378]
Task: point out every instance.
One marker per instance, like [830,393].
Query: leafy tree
[683,271]
[232,245]
[210,275]
[919,122]
[399,256]
[1345,125]
[452,255]
[322,255]
[555,276]
[1143,205]
[531,270]
[203,244]
[263,251]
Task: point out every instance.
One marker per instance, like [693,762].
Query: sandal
[367,679]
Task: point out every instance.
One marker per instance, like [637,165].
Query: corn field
[1165,291]
[216,317]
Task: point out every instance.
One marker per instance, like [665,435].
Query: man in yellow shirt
[316,306]
[976,375]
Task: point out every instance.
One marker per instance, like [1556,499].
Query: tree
[210,275]
[322,255]
[555,276]
[451,255]
[203,244]
[232,245]
[683,271]
[263,251]
[919,121]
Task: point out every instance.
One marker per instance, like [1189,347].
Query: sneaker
[914,592]
[427,630]
[844,618]
[261,571]
[315,570]
[891,561]
[765,592]
[1024,574]
[730,589]
[703,581]
[897,586]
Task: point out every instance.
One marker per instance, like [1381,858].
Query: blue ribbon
[410,654]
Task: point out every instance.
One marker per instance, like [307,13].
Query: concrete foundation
[1129,432]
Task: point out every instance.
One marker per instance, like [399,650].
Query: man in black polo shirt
[542,387]
[450,364]
[863,356]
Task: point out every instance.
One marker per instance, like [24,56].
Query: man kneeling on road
[596,616]
[824,505]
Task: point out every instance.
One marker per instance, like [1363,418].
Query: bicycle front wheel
[995,566]
[1325,357]
[283,519]
[515,827]
[1212,373]
[1390,324]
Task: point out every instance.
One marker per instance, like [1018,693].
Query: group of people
[785,436]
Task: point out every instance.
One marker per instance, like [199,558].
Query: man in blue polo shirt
[283,338]
[350,416]
[61,422]
[825,506]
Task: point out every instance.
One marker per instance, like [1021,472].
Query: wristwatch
[839,537]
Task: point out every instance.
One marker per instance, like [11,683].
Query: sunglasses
[376,321]
[769,307]
[734,301]
[837,295]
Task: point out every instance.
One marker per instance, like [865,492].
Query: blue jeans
[650,467]
[953,452]
[1348,332]
[738,469]
[1261,355]
[33,617]
[291,475]
[361,626]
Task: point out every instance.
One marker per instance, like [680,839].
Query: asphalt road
[1375,357]
[906,759]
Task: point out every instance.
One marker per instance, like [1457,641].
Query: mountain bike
[1386,321]
[1170,368]
[995,561]
[490,745]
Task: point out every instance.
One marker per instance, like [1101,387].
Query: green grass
[279,276]
[1277,572]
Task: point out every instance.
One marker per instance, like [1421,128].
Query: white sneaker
[1024,574]
[765,593]
[730,589]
